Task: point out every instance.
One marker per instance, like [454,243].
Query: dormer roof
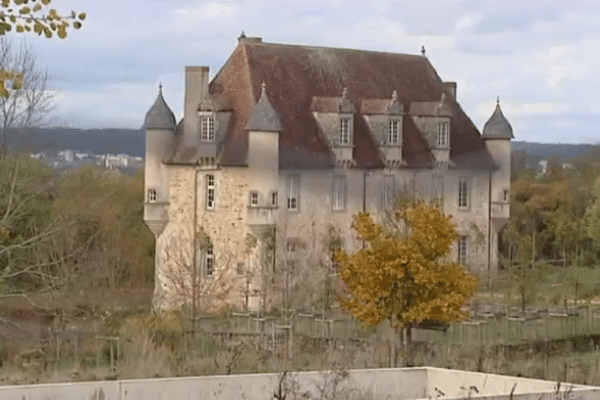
[333,104]
[381,106]
[497,127]
[159,116]
[431,108]
[263,116]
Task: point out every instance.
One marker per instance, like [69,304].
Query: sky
[540,58]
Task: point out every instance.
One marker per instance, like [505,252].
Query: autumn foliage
[406,278]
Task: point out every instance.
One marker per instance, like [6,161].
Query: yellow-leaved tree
[405,278]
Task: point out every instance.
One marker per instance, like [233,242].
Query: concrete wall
[409,383]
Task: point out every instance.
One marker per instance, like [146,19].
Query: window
[210,192]
[293,192]
[394,137]
[291,266]
[274,199]
[505,196]
[443,128]
[438,187]
[387,191]
[291,246]
[209,261]
[240,268]
[151,195]
[463,250]
[463,193]
[254,198]
[345,131]
[208,129]
[339,193]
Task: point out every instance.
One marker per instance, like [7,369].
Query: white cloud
[204,11]
[467,22]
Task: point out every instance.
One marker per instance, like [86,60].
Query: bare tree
[199,276]
[29,101]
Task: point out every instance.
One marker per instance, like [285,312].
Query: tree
[405,279]
[36,16]
[27,104]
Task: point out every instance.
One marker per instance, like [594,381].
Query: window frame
[253,198]
[344,131]
[443,134]
[464,194]
[152,195]
[207,129]
[396,123]
[209,261]
[274,199]
[211,197]
[387,191]
[293,193]
[462,250]
[438,188]
[338,193]
[506,195]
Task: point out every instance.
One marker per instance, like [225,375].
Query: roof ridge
[416,56]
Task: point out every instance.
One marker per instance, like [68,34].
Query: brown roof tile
[299,76]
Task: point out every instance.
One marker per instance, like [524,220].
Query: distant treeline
[96,141]
[131,141]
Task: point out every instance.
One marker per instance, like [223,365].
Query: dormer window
[443,130]
[345,131]
[394,132]
[208,129]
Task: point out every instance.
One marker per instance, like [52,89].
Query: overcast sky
[540,57]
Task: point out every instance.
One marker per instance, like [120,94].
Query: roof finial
[498,100]
[394,96]
[423,50]
[160,86]
[263,88]
[443,98]
[345,93]
[243,35]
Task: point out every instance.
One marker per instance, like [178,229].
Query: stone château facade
[275,155]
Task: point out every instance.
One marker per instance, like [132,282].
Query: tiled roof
[497,127]
[301,78]
[159,116]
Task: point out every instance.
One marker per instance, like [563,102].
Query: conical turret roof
[497,127]
[263,117]
[159,116]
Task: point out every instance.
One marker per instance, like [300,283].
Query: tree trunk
[406,345]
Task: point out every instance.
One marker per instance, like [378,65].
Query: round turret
[159,116]
[497,127]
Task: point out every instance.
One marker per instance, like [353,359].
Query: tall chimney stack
[196,90]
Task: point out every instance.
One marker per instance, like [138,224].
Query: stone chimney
[450,88]
[196,90]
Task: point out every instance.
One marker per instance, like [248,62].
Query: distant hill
[545,150]
[132,142]
[97,141]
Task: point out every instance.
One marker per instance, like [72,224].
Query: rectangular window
[505,196]
[209,261]
[292,245]
[208,129]
[394,137]
[463,193]
[274,199]
[443,129]
[345,131]
[339,193]
[463,250]
[293,192]
[151,195]
[254,198]
[387,191]
[210,192]
[240,268]
[438,187]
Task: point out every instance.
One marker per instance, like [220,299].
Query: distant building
[288,142]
